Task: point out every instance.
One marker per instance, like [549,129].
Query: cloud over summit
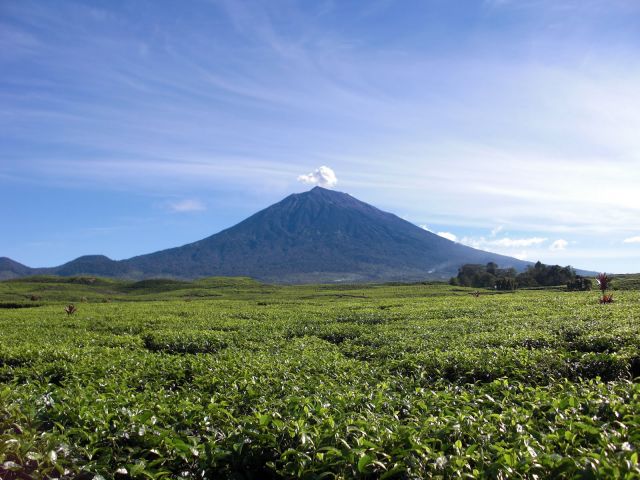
[323,177]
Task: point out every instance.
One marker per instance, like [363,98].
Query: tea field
[228,378]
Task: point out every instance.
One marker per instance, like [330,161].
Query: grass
[228,378]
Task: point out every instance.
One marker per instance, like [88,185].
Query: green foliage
[626,282]
[485,276]
[541,275]
[381,381]
[506,283]
[186,341]
[580,284]
[155,285]
[46,289]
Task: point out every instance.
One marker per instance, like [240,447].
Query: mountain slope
[320,235]
[12,269]
[317,236]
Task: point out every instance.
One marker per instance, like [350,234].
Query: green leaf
[363,463]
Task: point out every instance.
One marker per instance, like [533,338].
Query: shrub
[579,284]
[606,298]
[187,342]
[506,284]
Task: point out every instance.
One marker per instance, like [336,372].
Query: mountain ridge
[316,236]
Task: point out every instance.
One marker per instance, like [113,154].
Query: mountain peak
[94,258]
[324,191]
[320,195]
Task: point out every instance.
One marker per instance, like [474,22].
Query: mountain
[99,265]
[316,236]
[12,269]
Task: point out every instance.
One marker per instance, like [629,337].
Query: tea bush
[311,382]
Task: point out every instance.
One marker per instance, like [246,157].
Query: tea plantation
[226,378]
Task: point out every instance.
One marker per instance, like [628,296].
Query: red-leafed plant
[606,298]
[603,284]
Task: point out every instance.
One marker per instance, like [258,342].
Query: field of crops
[231,379]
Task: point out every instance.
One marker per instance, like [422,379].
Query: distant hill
[317,236]
[12,269]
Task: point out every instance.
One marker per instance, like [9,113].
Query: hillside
[12,269]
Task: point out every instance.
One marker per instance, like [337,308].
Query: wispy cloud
[186,205]
[520,248]
[448,235]
[522,255]
[632,240]
[505,242]
[517,242]
[559,244]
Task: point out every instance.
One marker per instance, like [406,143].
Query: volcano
[316,236]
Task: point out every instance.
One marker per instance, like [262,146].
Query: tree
[579,284]
[483,276]
[541,275]
[506,284]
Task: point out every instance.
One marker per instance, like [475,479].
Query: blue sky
[512,126]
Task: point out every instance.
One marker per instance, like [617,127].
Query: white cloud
[448,236]
[632,240]
[517,242]
[483,243]
[559,244]
[187,205]
[323,177]
[523,255]
[496,230]
[473,242]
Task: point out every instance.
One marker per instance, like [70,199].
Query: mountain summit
[316,236]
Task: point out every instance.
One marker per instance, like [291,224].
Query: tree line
[537,275]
